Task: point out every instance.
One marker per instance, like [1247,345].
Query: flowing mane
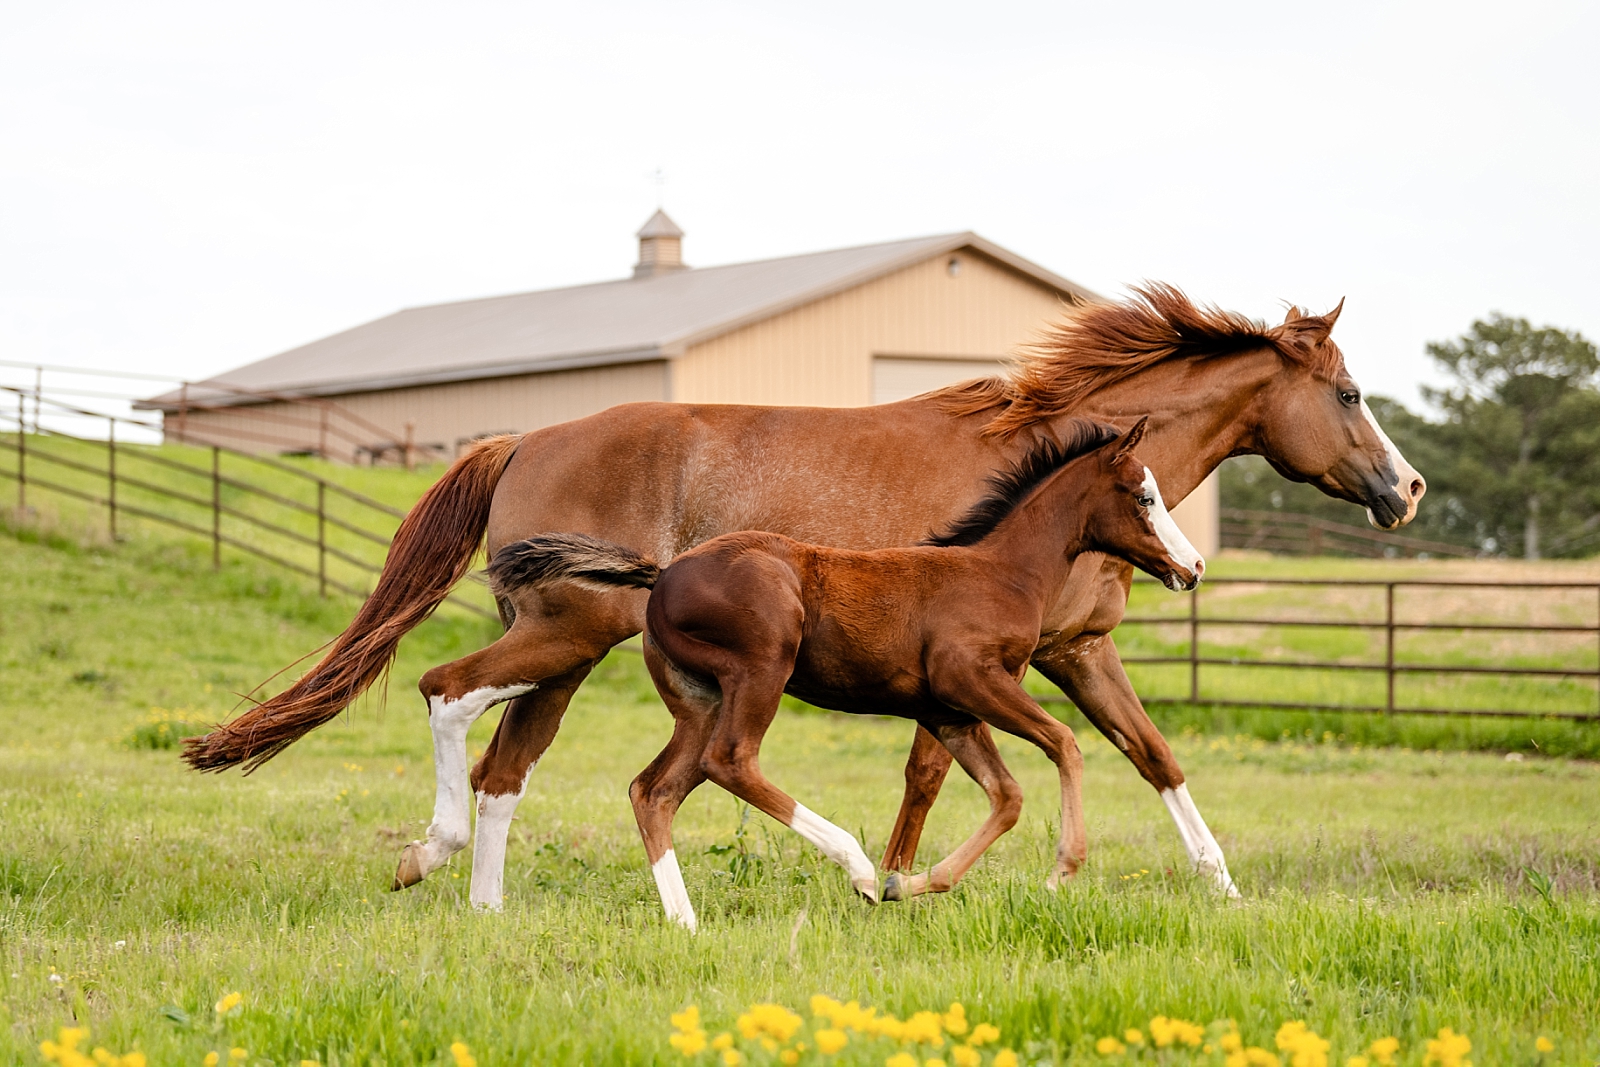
[1101,344]
[1011,487]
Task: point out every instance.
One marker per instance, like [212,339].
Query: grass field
[1386,891]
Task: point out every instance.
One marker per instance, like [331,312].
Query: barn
[845,327]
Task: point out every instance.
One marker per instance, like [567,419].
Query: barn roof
[625,321]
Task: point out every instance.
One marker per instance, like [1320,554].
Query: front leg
[1090,673]
[926,768]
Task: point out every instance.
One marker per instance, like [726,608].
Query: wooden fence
[332,534]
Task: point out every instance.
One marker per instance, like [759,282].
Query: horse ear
[1131,439]
[1333,316]
[1291,315]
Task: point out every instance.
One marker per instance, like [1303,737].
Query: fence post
[183,414]
[322,542]
[216,508]
[38,396]
[1388,659]
[322,434]
[111,471]
[1194,645]
[22,454]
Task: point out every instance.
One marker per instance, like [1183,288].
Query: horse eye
[1350,396]
[1147,501]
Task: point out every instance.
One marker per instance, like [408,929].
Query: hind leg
[457,694]
[750,701]
[660,788]
[500,778]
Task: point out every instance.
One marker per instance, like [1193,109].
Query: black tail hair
[557,556]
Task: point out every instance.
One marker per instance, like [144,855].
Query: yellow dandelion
[1133,1037]
[1544,1044]
[789,1057]
[722,1042]
[935,1062]
[1449,1049]
[1357,1061]
[211,1059]
[237,1055]
[732,1057]
[831,1041]
[1005,1058]
[1110,1046]
[229,1002]
[982,1034]
[686,1020]
[309,1063]
[1231,1042]
[924,1028]
[462,1055]
[1384,1050]
[134,1059]
[901,1059]
[688,1042]
[1255,1056]
[955,1020]
[966,1056]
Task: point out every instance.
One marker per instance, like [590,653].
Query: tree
[1520,441]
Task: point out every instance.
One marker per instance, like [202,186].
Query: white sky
[188,187]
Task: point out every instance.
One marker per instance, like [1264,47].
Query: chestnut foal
[940,633]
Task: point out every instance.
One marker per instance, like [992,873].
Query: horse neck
[1201,412]
[1036,543]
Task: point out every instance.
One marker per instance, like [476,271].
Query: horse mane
[1011,487]
[1098,345]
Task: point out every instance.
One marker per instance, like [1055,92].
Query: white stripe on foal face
[839,846]
[1178,547]
[674,894]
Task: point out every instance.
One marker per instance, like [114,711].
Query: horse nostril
[1418,487]
[1199,568]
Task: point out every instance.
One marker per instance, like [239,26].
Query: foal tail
[552,557]
[430,553]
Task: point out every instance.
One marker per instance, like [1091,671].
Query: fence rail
[42,463]
[1392,667]
[1307,535]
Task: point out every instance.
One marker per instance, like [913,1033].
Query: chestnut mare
[665,477]
[940,634]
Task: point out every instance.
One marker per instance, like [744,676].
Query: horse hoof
[409,871]
[868,889]
[894,887]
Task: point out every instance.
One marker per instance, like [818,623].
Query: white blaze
[839,846]
[674,894]
[1404,472]
[1178,547]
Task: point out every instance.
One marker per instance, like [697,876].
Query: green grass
[1385,891]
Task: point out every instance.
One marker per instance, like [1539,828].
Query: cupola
[660,247]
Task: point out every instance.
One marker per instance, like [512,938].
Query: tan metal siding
[442,416]
[821,353]
[898,377]
[1200,515]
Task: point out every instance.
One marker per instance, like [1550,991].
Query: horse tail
[573,556]
[431,552]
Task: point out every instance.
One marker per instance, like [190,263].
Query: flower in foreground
[211,1059]
[1304,1047]
[1005,1058]
[462,1055]
[1165,1032]
[982,1034]
[831,1041]
[229,1002]
[1384,1050]
[1110,1046]
[1449,1049]
[1544,1044]
[901,1059]
[966,1056]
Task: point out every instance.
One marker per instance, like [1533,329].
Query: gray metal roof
[659,225]
[587,325]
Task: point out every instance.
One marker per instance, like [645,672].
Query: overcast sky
[188,187]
